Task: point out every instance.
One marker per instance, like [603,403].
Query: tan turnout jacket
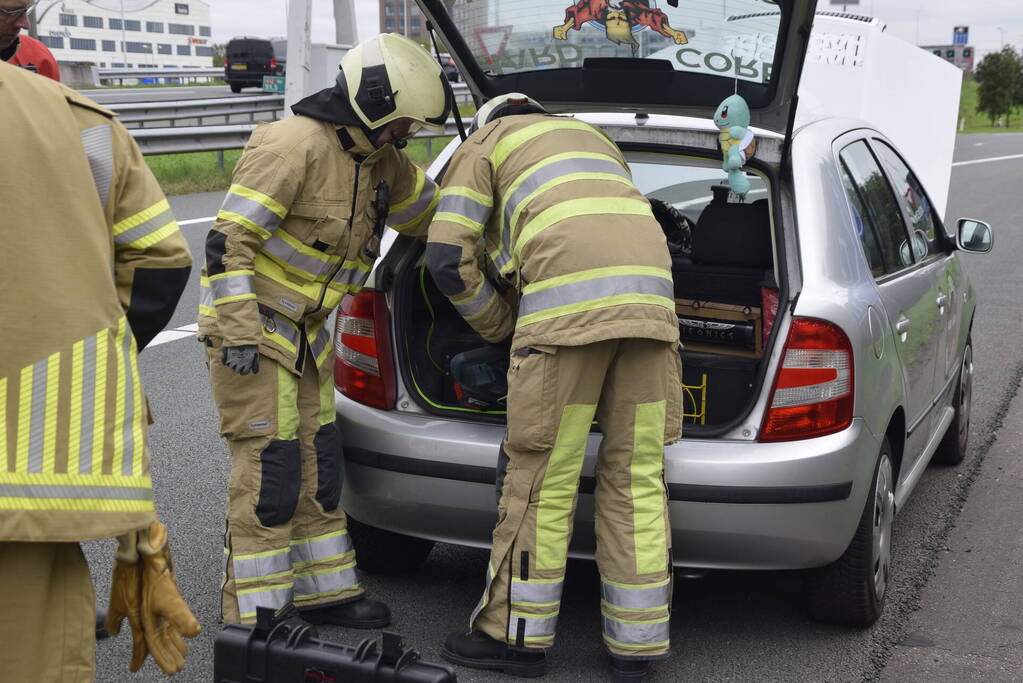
[94,264]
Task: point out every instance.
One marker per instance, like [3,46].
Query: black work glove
[242,359]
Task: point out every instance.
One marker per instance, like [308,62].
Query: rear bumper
[733,505]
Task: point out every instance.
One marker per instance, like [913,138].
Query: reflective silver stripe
[258,567]
[475,305]
[548,173]
[524,591]
[503,258]
[636,598]
[145,228]
[38,419]
[275,246]
[532,627]
[89,391]
[637,634]
[597,288]
[463,206]
[413,210]
[320,549]
[321,341]
[253,210]
[99,149]
[75,492]
[271,597]
[279,324]
[205,296]
[129,403]
[231,285]
[331,582]
[351,276]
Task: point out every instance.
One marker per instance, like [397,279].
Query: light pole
[1001,35]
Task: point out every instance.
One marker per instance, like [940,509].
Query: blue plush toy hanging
[737,141]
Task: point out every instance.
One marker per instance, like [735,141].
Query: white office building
[128,33]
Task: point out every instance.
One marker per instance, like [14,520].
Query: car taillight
[364,366]
[227,62]
[813,392]
[273,64]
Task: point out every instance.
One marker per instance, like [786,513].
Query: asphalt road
[185,92]
[728,626]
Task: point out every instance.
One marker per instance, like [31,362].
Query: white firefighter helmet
[390,77]
[505,105]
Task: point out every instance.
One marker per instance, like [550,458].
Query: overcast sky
[930,20]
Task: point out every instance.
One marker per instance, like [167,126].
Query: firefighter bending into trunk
[299,228]
[596,336]
[94,270]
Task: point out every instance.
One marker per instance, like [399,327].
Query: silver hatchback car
[825,319]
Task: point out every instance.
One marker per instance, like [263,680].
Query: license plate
[239,67]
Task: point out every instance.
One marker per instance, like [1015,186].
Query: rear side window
[249,49]
[874,196]
[913,200]
[864,228]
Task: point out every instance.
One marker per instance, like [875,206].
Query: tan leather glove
[126,598]
[165,616]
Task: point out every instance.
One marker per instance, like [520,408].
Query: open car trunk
[726,291]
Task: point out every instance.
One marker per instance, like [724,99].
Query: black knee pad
[279,483]
[329,467]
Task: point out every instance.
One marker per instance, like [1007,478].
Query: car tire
[952,448]
[851,590]
[379,551]
[235,87]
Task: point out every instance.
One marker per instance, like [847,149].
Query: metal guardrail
[189,72]
[172,114]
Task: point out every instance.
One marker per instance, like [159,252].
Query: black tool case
[288,650]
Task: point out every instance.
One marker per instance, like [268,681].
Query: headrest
[735,235]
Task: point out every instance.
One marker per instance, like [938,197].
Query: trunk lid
[652,56]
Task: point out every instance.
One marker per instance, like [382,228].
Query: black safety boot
[101,625]
[479,651]
[629,670]
[361,613]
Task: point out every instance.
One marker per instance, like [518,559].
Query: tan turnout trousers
[286,538]
[48,628]
[633,388]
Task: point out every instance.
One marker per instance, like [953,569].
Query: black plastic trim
[688,493]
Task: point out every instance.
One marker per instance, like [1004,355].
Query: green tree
[1000,78]
[218,55]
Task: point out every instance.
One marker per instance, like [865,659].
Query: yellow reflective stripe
[416,191]
[508,145]
[119,403]
[74,440]
[332,558]
[100,401]
[269,268]
[226,274]
[268,577]
[3,422]
[635,586]
[464,221]
[207,311]
[526,603]
[634,646]
[257,196]
[306,250]
[24,420]
[236,297]
[137,428]
[593,304]
[71,479]
[265,553]
[142,216]
[91,504]
[556,182]
[244,222]
[52,397]
[560,483]
[585,206]
[152,238]
[327,409]
[338,591]
[429,207]
[280,339]
[264,589]
[604,604]
[528,173]
[321,537]
[648,505]
[594,273]
[469,193]
[287,404]
[329,570]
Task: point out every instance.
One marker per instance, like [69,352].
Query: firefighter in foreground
[299,228]
[596,336]
[95,266]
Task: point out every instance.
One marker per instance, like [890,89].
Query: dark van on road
[247,60]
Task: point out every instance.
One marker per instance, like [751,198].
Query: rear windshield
[728,38]
[244,49]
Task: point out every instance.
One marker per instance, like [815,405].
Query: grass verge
[193,172]
[976,122]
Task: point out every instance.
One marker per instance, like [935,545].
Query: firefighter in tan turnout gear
[95,266]
[596,337]
[299,228]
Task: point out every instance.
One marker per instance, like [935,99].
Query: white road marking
[193,221]
[177,333]
[984,161]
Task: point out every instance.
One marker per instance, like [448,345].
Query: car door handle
[902,326]
[941,300]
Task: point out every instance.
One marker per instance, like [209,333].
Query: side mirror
[973,235]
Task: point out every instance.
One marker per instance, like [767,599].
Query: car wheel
[852,589]
[379,551]
[235,87]
[952,448]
